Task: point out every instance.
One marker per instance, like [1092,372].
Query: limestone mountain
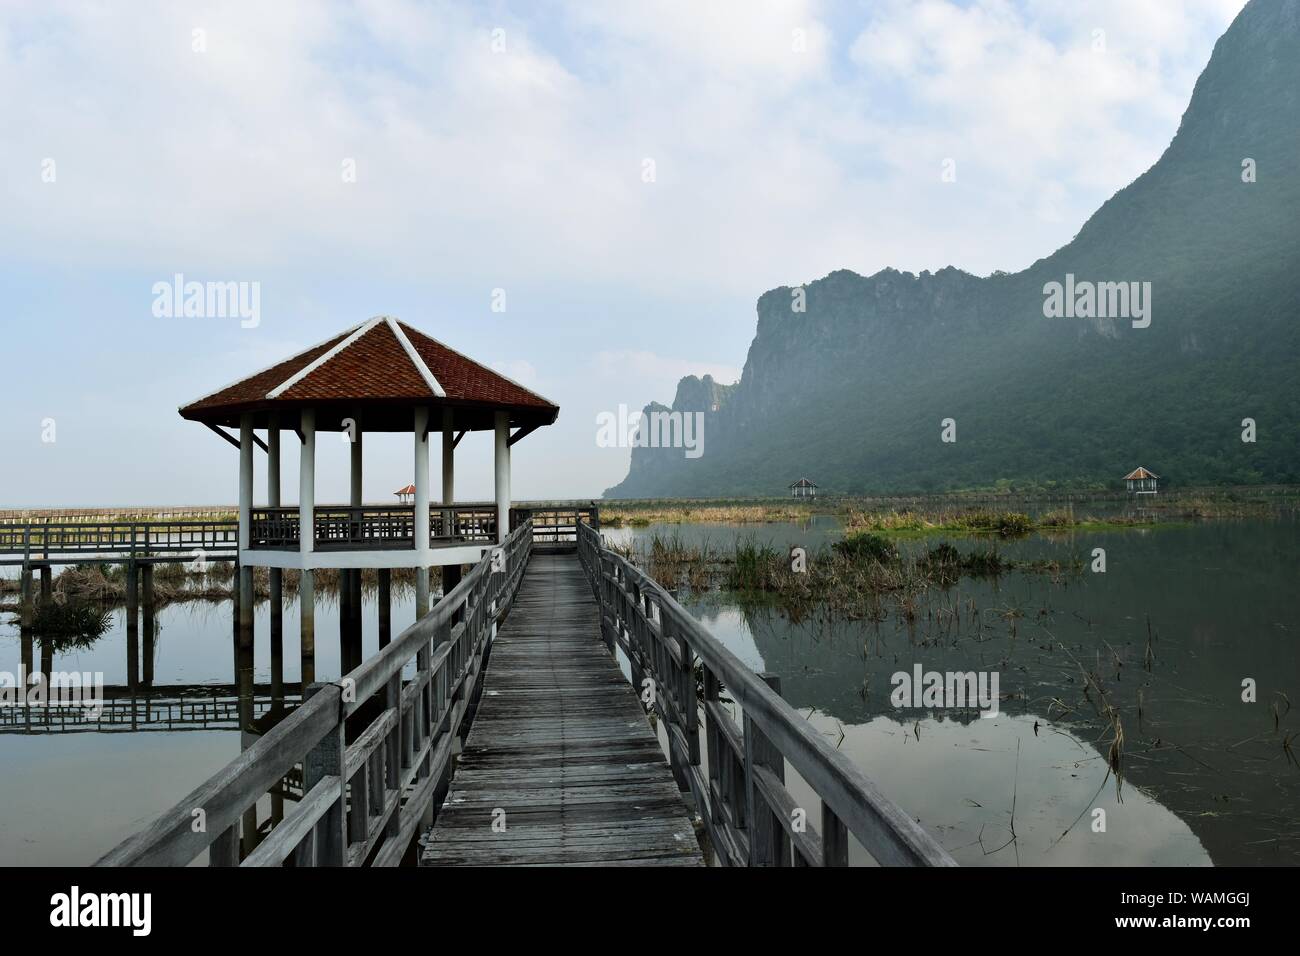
[852,391]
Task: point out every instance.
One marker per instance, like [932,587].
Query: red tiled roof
[408,490]
[375,366]
[372,363]
[463,378]
[256,386]
[1138,474]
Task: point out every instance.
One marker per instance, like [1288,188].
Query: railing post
[224,850]
[630,625]
[392,753]
[688,699]
[713,745]
[329,842]
[765,834]
[835,839]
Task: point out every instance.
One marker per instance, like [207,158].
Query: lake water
[1206,778]
[66,798]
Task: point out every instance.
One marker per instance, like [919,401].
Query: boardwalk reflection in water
[69,797]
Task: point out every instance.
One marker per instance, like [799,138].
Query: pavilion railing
[739,788]
[373,750]
[472,522]
[365,528]
[372,527]
[274,529]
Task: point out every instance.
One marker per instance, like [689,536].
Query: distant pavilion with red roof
[382,375]
[1142,482]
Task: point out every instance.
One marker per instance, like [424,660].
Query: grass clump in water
[755,567]
[866,546]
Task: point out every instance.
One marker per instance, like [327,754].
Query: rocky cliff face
[852,390]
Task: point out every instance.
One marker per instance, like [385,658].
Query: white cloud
[522,169]
[772,167]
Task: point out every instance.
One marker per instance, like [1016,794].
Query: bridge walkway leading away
[561,766]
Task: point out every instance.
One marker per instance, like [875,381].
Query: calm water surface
[67,798]
[1206,779]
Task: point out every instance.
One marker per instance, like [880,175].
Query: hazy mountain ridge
[852,391]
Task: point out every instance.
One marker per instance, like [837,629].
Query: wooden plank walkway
[560,755]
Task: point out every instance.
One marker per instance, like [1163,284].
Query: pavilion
[379,376]
[803,488]
[1141,482]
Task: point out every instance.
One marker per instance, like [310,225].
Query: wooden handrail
[750,815]
[364,792]
[185,537]
[276,528]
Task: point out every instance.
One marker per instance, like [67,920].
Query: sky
[588,196]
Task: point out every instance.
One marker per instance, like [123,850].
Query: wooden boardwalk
[561,757]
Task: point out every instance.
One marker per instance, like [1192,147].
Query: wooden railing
[371,527]
[41,539]
[118,515]
[340,527]
[274,529]
[337,527]
[555,524]
[374,750]
[475,522]
[737,778]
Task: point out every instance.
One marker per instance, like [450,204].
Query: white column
[356,458]
[273,462]
[307,542]
[448,457]
[448,470]
[420,430]
[244,650]
[307,485]
[245,478]
[276,575]
[421,479]
[503,474]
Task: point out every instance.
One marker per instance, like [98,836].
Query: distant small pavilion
[1141,482]
[405,495]
[379,376]
[803,488]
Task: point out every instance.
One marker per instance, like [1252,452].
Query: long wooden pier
[500,726]
[561,766]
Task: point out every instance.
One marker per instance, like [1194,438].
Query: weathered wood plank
[561,767]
